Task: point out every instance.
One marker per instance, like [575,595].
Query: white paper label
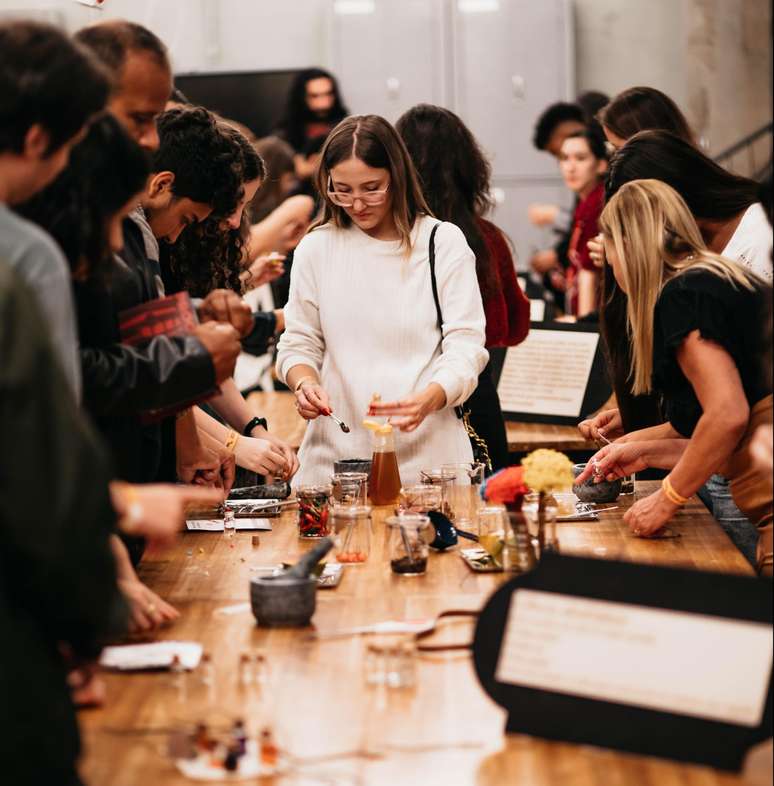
[216,525]
[548,372]
[671,661]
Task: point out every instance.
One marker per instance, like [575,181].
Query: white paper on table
[156,655]
[216,525]
[671,661]
[548,372]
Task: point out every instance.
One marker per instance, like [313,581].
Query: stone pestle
[303,568]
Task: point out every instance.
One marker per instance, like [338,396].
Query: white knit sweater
[361,312]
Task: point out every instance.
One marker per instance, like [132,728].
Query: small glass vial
[349,488]
[313,511]
[177,672]
[207,670]
[269,752]
[245,671]
[408,544]
[229,523]
[351,526]
[261,670]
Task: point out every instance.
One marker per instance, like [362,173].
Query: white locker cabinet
[390,55]
[510,62]
[497,63]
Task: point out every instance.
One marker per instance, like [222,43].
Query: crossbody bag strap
[459,411]
[433,280]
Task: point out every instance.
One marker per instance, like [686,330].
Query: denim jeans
[716,495]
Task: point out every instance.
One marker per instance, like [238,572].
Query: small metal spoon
[342,425]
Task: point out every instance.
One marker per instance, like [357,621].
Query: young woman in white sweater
[361,318]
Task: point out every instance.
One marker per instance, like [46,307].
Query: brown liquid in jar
[384,483]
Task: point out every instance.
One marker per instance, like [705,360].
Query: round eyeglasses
[347,198]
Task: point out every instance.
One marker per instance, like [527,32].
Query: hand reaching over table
[291,459]
[263,456]
[224,305]
[605,426]
[157,510]
[616,460]
[408,413]
[647,516]
[311,399]
[146,609]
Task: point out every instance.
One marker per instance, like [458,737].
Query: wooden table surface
[446,731]
[278,408]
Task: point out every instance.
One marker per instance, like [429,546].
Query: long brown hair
[656,239]
[644,109]
[458,191]
[372,140]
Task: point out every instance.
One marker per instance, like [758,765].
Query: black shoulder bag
[480,448]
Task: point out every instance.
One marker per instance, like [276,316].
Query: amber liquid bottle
[384,484]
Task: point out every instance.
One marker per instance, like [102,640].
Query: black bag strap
[459,410]
[433,280]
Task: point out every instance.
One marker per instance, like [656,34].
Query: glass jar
[351,526]
[409,537]
[313,510]
[390,661]
[492,527]
[384,483]
[443,480]
[541,524]
[464,490]
[349,488]
[419,498]
[518,554]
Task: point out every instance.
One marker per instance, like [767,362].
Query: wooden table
[444,732]
[278,408]
[524,437]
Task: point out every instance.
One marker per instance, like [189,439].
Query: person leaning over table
[697,324]
[732,221]
[361,317]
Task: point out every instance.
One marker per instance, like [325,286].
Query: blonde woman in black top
[696,323]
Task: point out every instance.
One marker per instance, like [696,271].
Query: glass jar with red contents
[351,525]
[313,512]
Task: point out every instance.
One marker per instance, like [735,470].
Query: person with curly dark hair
[206,259]
[459,192]
[314,107]
[193,171]
[211,254]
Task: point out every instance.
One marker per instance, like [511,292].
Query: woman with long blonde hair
[696,325]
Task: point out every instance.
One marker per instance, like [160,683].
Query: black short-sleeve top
[731,315]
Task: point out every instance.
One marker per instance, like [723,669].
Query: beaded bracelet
[670,492]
